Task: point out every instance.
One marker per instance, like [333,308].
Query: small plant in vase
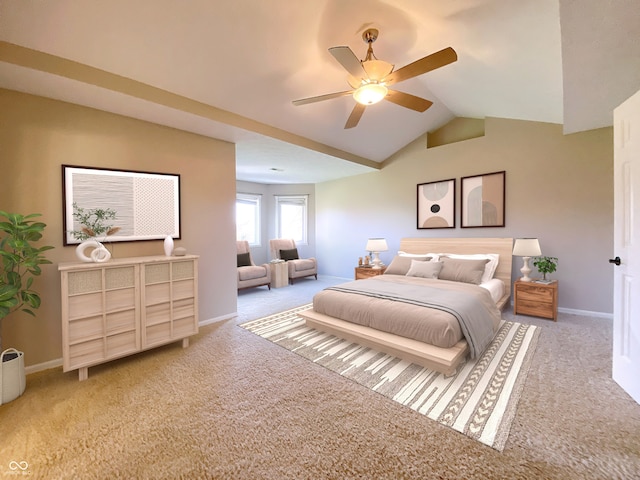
[545,265]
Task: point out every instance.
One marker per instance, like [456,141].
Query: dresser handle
[616,260]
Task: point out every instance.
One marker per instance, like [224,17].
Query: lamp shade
[370,93]
[376,245]
[526,247]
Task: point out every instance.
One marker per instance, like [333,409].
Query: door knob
[616,260]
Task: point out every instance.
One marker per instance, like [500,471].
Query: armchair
[249,274]
[285,249]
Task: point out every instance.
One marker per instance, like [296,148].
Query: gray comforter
[437,312]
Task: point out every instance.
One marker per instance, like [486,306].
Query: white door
[626,264]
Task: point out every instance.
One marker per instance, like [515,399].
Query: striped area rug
[479,401]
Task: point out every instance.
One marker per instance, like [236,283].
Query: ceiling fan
[370,78]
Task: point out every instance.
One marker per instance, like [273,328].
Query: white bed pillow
[413,255]
[424,269]
[433,256]
[490,267]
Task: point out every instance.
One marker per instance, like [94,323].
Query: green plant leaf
[20,262]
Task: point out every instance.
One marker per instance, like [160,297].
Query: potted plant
[20,264]
[545,265]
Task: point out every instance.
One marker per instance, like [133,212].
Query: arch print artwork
[483,199]
[437,204]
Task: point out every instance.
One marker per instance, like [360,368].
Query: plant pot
[12,377]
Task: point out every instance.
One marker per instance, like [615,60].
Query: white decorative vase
[168,245]
[99,253]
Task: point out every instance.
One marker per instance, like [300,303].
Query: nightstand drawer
[535,309]
[535,293]
[368,272]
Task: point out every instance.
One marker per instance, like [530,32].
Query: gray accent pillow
[400,265]
[424,269]
[244,260]
[466,271]
[291,254]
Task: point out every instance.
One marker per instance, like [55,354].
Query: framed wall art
[436,204]
[139,205]
[483,200]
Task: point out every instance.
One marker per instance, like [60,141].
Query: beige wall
[38,135]
[559,188]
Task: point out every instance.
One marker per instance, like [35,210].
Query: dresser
[124,306]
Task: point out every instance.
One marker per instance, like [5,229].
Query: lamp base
[525,270]
[376,263]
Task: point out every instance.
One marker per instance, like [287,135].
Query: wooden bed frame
[443,360]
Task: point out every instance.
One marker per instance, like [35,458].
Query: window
[248,218]
[291,217]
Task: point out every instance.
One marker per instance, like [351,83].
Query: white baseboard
[43,366]
[221,318]
[586,313]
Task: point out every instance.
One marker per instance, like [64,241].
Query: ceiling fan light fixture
[370,93]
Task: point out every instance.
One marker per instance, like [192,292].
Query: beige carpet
[479,401]
[234,406]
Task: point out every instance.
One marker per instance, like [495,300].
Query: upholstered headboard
[501,246]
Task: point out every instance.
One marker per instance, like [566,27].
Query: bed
[389,324]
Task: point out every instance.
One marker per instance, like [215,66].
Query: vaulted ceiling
[230,69]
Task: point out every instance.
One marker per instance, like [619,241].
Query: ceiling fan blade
[424,65]
[348,59]
[408,101]
[354,118]
[320,98]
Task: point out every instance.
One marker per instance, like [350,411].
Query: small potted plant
[545,265]
[20,264]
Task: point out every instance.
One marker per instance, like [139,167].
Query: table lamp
[375,246]
[526,248]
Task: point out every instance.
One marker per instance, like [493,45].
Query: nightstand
[368,272]
[536,299]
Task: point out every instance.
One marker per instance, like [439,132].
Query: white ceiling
[561,61]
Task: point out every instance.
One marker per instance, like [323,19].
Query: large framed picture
[132,205]
[436,204]
[483,200]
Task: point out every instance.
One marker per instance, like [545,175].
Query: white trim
[39,367]
[221,318]
[586,313]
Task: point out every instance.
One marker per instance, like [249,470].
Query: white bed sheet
[495,287]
